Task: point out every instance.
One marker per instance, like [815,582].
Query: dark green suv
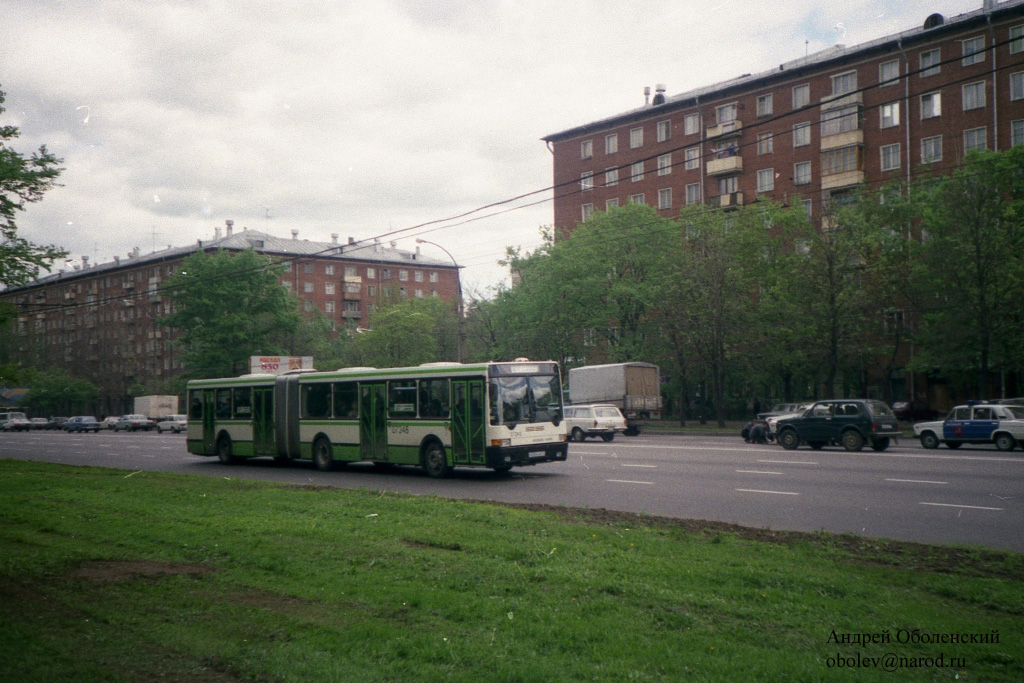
[851,423]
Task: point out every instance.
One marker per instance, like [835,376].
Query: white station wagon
[595,420]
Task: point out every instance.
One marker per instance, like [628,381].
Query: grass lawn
[109,575]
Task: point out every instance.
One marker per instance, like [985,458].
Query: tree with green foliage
[410,332]
[227,307]
[23,180]
[969,276]
[55,392]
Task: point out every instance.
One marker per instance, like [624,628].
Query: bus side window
[195,411]
[434,398]
[346,403]
[223,410]
[243,402]
[402,398]
[316,400]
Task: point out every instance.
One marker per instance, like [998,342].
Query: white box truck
[156,407]
[634,388]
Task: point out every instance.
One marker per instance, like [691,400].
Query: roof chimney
[85,262]
[351,240]
[295,234]
[216,233]
[230,224]
[659,94]
[647,95]
[334,238]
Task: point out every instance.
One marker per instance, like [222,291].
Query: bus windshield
[525,399]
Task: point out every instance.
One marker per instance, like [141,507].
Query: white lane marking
[626,464]
[918,481]
[787,462]
[956,505]
[660,447]
[756,472]
[777,493]
[626,481]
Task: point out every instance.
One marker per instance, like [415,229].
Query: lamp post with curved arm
[458,304]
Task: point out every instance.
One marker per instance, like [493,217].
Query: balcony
[843,179]
[834,101]
[725,166]
[729,129]
[352,314]
[727,201]
[853,137]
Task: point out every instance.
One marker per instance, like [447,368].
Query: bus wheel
[434,461]
[224,453]
[323,456]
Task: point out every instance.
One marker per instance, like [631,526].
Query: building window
[611,143]
[931,105]
[636,138]
[586,149]
[691,124]
[801,134]
[973,51]
[840,120]
[611,204]
[766,180]
[403,275]
[385,274]
[693,189]
[371,273]
[307,287]
[801,96]
[725,113]
[587,180]
[974,95]
[287,284]
[587,211]
[691,158]
[890,157]
[764,143]
[350,271]
[728,185]
[888,72]
[1017,132]
[665,198]
[890,115]
[840,160]
[930,62]
[664,130]
[974,139]
[433,276]
[764,105]
[636,171]
[1017,86]
[931,149]
[1016,39]
[329,270]
[636,198]
[611,177]
[351,306]
[845,83]
[329,288]
[417,275]
[307,305]
[329,307]
[665,164]
[802,173]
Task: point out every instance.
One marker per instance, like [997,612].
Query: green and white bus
[436,416]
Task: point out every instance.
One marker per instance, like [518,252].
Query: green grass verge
[111,575]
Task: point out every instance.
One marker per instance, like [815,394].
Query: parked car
[1002,425]
[56,422]
[131,423]
[791,410]
[913,411]
[14,422]
[81,423]
[851,423]
[782,409]
[595,420]
[109,422]
[172,423]
[39,422]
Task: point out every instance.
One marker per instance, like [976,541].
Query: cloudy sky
[364,119]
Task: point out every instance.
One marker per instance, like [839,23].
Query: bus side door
[209,421]
[373,406]
[263,421]
[468,421]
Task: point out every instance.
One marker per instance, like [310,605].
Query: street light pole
[458,304]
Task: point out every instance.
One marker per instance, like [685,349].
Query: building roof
[264,243]
[793,68]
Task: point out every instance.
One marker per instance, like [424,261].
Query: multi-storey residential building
[811,130]
[103,321]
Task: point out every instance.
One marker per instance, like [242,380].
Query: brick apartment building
[810,130]
[102,321]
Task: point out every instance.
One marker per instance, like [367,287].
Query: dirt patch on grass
[858,549]
[106,571]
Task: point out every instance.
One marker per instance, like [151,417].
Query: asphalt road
[972,496]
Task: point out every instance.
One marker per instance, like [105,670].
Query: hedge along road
[970,496]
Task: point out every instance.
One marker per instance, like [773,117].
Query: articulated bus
[436,416]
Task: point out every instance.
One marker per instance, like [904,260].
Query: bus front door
[468,421]
[209,422]
[263,421]
[373,405]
